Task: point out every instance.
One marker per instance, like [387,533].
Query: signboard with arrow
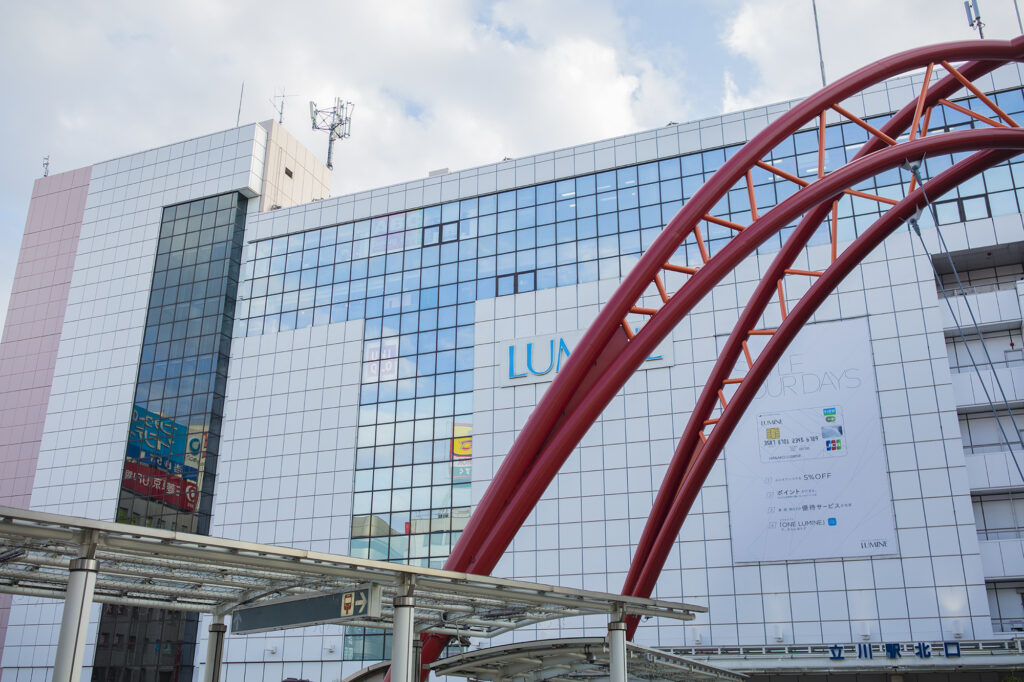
[298,612]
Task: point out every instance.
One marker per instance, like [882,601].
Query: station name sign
[538,359]
[894,650]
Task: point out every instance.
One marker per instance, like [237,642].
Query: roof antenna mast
[279,108]
[337,120]
[241,94]
[817,34]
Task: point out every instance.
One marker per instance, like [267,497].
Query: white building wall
[83,445]
[284,475]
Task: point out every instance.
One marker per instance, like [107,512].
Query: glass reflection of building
[175,427]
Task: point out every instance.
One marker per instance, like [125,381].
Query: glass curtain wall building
[340,375]
[174,433]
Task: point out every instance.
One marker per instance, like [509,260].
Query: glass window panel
[670,168]
[606,181]
[649,194]
[546,257]
[545,214]
[525,282]
[506,201]
[586,206]
[1002,203]
[486,288]
[647,173]
[586,249]
[487,224]
[565,189]
[566,209]
[506,263]
[432,215]
[545,193]
[607,224]
[468,208]
[546,279]
[526,217]
[587,272]
[626,177]
[609,268]
[975,208]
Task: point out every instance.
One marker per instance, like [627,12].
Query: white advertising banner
[806,465]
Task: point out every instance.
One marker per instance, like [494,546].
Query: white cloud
[455,83]
[777,40]
[734,99]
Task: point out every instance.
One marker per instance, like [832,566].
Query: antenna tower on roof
[337,120]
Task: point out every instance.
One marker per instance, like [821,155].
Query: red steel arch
[605,359]
[645,568]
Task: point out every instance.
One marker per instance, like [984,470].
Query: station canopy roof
[579,659]
[148,567]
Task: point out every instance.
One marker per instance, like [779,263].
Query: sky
[435,83]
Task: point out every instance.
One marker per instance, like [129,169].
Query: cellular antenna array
[974,16]
[337,121]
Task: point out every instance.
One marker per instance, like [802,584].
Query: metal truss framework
[147,567]
[610,351]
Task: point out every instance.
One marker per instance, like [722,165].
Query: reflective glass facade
[175,427]
[561,233]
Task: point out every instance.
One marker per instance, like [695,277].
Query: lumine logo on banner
[539,359]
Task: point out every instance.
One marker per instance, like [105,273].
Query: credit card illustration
[807,433]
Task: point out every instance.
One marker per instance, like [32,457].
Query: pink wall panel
[31,334]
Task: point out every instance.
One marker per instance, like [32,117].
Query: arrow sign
[358,602]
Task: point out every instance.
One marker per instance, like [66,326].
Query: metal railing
[953,292]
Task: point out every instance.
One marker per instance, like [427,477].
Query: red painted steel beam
[553,405]
[689,442]
[946,86]
[785,333]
